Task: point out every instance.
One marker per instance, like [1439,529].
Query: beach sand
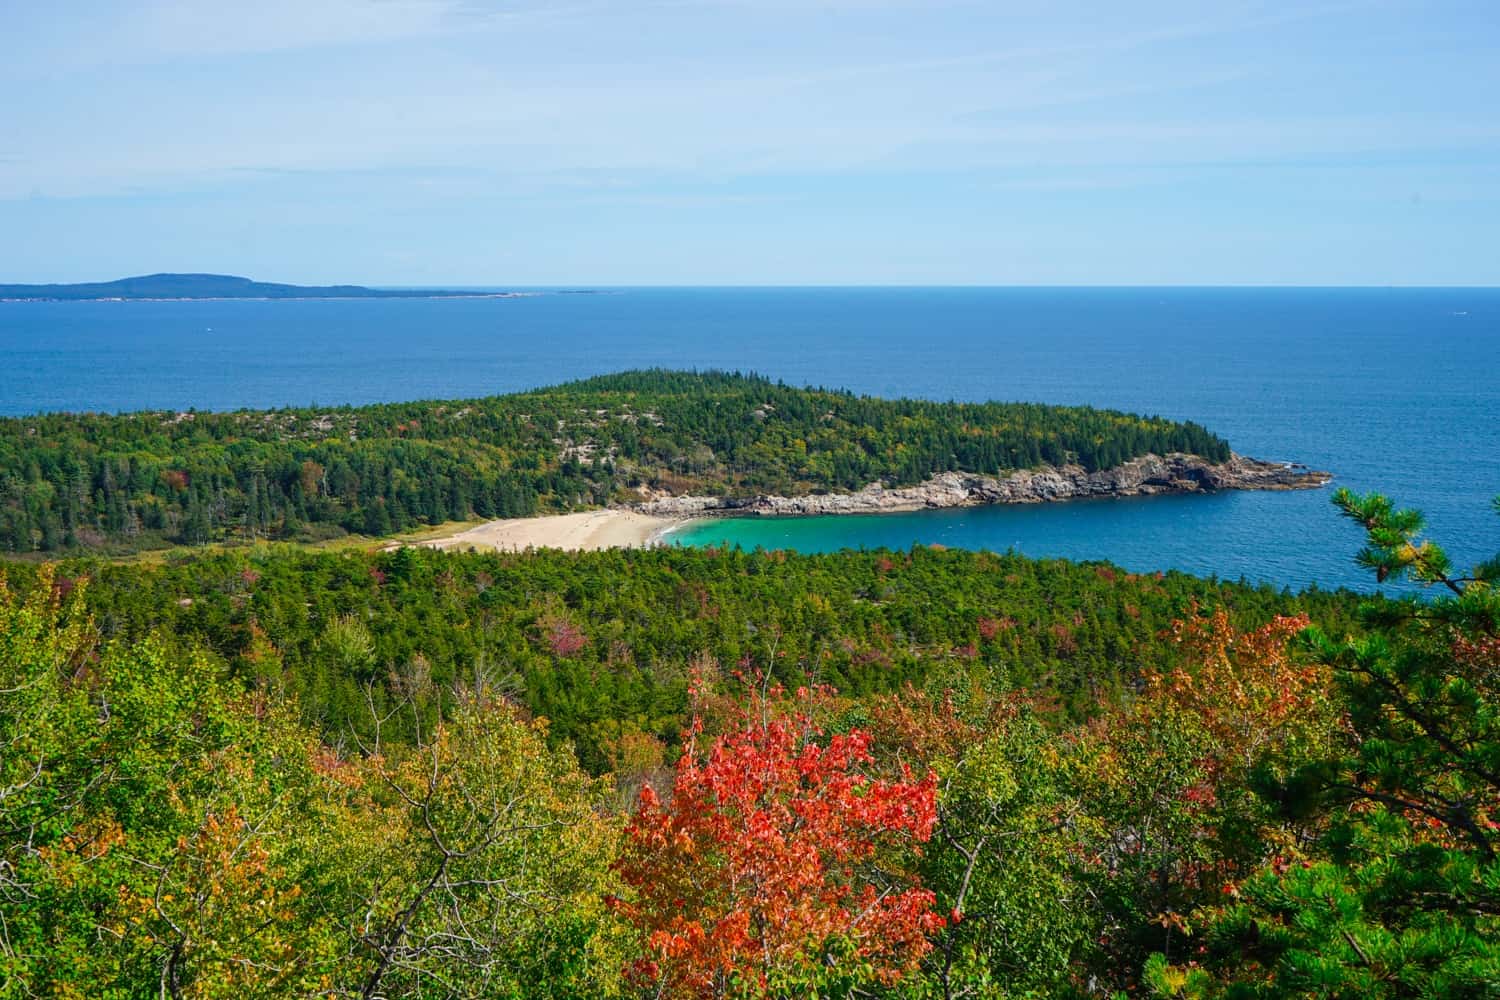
[586,532]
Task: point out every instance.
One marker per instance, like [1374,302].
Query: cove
[1230,535]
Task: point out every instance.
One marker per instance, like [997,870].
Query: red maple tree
[763,872]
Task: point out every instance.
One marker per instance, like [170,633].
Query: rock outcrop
[1144,476]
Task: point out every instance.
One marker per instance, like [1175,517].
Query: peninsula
[652,445]
[171,287]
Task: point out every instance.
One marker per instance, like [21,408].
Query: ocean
[1396,390]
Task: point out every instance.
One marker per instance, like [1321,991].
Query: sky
[745,142]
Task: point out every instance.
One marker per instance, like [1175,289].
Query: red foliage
[1066,644]
[758,871]
[564,638]
[1478,657]
[311,477]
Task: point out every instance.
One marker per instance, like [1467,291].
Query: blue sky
[752,141]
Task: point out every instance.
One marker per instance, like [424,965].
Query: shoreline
[584,531]
[652,522]
[1149,475]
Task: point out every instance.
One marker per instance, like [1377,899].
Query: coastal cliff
[1143,476]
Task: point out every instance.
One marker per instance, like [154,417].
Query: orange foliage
[1245,688]
[922,727]
[759,869]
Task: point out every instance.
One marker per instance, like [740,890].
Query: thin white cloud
[150,32]
[506,88]
[178,27]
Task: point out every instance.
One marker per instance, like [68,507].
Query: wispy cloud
[692,108]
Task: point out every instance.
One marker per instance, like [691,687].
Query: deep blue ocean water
[1396,390]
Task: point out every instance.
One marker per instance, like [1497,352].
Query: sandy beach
[586,532]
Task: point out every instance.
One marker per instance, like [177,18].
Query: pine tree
[1400,895]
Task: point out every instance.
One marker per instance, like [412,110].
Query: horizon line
[814,285]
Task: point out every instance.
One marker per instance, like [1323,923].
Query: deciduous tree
[775,867]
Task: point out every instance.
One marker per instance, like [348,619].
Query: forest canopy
[601,643]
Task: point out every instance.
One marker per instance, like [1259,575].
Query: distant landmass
[219,286]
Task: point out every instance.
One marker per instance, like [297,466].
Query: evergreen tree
[1400,894]
[557,448]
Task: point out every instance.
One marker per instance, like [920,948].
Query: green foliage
[1003,868]
[136,848]
[275,772]
[148,479]
[600,643]
[163,832]
[1399,895]
[488,877]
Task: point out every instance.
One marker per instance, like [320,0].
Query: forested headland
[154,479]
[709,774]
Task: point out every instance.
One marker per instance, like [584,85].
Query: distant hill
[212,286]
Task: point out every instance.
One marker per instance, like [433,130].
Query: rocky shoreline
[1145,476]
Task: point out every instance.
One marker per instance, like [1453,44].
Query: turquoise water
[1397,390]
[1140,533]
